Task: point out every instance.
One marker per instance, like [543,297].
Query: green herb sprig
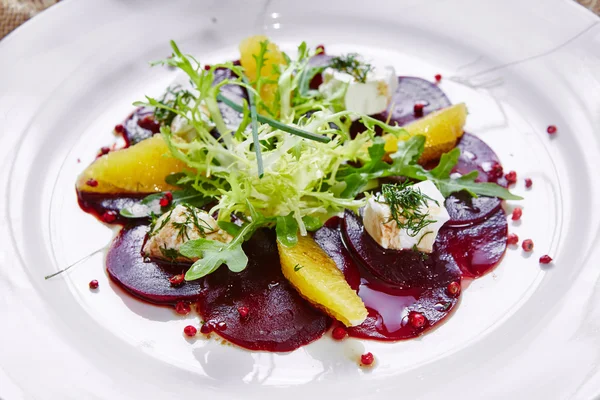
[406,205]
[254,122]
[174,98]
[352,65]
[191,220]
[276,124]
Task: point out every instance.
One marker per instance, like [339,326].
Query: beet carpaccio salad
[282,197]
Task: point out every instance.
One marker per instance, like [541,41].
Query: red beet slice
[389,306]
[412,90]
[477,249]
[146,280]
[476,155]
[465,210]
[99,203]
[329,238]
[139,125]
[404,269]
[278,318]
[233,92]
[321,60]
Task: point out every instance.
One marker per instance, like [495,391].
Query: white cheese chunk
[378,222]
[371,97]
[176,227]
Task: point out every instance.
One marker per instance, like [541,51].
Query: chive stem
[74,264]
[276,124]
[253,116]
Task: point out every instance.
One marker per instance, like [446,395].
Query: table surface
[14,12]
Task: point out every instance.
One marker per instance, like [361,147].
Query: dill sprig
[154,227]
[173,99]
[171,254]
[352,65]
[406,204]
[191,221]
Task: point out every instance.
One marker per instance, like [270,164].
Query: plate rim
[29,25]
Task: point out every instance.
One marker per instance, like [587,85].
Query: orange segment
[316,277]
[141,168]
[441,129]
[249,48]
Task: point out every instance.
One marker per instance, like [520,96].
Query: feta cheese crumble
[382,227]
[370,97]
[178,226]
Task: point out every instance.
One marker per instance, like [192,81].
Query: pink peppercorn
[367,359]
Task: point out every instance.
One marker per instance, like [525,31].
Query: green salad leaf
[405,163]
[287,230]
[213,254]
[230,227]
[150,205]
[312,223]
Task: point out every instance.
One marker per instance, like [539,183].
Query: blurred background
[14,12]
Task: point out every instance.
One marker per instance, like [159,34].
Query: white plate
[71,74]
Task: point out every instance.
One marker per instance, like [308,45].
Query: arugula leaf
[191,197]
[447,162]
[287,230]
[229,227]
[175,179]
[371,123]
[405,163]
[312,223]
[213,254]
[152,198]
[357,178]
[405,159]
[127,213]
[440,175]
[467,183]
[150,204]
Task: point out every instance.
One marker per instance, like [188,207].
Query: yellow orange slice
[316,277]
[141,168]
[273,59]
[441,129]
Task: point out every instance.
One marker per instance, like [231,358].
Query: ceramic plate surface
[68,76]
